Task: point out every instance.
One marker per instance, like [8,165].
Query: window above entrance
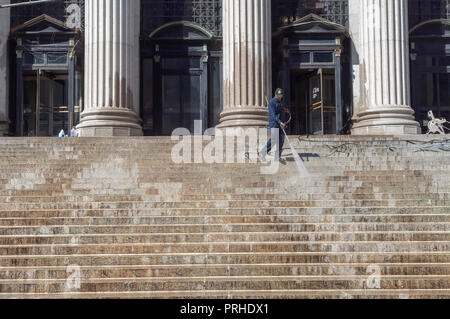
[310,41]
[44,42]
[181,30]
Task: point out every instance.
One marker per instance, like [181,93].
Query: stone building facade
[146,67]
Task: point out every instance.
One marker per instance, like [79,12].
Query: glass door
[322,110]
[45,106]
[29,105]
[329,101]
[45,110]
[316,104]
[60,109]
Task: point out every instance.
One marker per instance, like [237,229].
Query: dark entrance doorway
[313,102]
[430,70]
[48,81]
[45,104]
[181,94]
[180,75]
[310,51]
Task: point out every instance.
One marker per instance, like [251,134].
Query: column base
[4,128]
[106,122]
[244,117]
[395,120]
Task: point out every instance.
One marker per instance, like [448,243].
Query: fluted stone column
[247,62]
[385,103]
[111,69]
[4,79]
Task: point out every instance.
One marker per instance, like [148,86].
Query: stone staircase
[98,218]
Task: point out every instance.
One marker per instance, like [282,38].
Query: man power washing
[276,128]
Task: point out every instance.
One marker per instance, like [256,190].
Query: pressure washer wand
[303,171]
[300,166]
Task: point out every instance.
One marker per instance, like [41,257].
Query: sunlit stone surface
[247,62]
[384,100]
[111,69]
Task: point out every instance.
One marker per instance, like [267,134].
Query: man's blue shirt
[275,110]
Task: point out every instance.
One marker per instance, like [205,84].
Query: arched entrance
[179,71]
[430,69]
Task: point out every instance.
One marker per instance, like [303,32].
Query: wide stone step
[249,294]
[363,163]
[165,151]
[226,204]
[225,283]
[186,195]
[106,175]
[132,271]
[98,249]
[145,238]
[64,168]
[223,219]
[276,195]
[226,258]
[144,189]
[163,212]
[224,178]
[330,149]
[232,173]
[285,173]
[210,228]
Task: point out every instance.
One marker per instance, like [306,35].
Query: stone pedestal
[384,99]
[4,79]
[111,69]
[247,63]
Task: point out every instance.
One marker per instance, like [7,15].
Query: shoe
[283,161]
[262,157]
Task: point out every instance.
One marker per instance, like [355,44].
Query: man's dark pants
[268,147]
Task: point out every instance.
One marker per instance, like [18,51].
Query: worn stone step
[63,167]
[321,174]
[276,195]
[225,283]
[248,294]
[250,247]
[271,188]
[222,219]
[228,258]
[316,236]
[211,228]
[131,271]
[188,195]
[106,176]
[226,204]
[328,167]
[308,211]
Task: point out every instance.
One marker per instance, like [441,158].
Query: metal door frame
[41,74]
